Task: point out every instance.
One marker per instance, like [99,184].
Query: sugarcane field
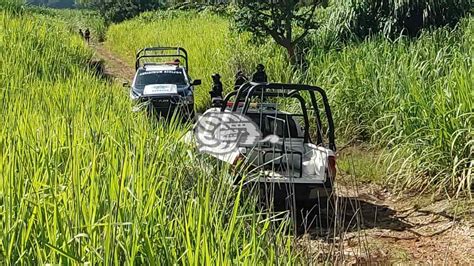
[225,132]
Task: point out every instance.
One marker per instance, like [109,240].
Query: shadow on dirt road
[345,215]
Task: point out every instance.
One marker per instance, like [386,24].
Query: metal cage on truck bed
[161,52]
[247,92]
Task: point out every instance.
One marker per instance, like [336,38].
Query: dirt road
[114,66]
[372,225]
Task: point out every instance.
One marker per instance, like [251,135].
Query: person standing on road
[87,35]
[260,76]
[81,33]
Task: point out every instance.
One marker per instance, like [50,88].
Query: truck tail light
[332,167]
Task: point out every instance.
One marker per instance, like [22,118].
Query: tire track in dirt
[378,227]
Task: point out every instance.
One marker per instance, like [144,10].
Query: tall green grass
[413,97]
[13,6]
[85,180]
[75,19]
[392,18]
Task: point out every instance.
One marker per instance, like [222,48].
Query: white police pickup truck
[164,87]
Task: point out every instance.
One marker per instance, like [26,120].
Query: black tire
[315,214]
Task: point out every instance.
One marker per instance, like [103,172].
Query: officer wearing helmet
[240,79]
[260,76]
[216,90]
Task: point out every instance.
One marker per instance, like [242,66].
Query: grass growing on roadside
[76,19]
[83,179]
[363,162]
[413,96]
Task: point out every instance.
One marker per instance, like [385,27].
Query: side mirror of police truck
[196,82]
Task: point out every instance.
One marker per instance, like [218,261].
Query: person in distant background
[87,35]
[240,79]
[260,76]
[81,33]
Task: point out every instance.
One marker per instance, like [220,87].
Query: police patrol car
[165,88]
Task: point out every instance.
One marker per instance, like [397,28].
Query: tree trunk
[290,48]
[291,54]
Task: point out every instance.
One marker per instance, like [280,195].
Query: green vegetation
[80,19]
[393,18]
[75,20]
[120,10]
[364,163]
[278,20]
[54,3]
[84,179]
[14,6]
[413,96]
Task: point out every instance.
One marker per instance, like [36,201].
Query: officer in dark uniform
[216,91]
[240,79]
[260,76]
[87,35]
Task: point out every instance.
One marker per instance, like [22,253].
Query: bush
[120,10]
[406,17]
[15,7]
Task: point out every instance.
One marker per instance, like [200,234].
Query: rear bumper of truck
[296,188]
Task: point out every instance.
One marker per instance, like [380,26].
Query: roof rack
[147,64]
[161,52]
[247,91]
